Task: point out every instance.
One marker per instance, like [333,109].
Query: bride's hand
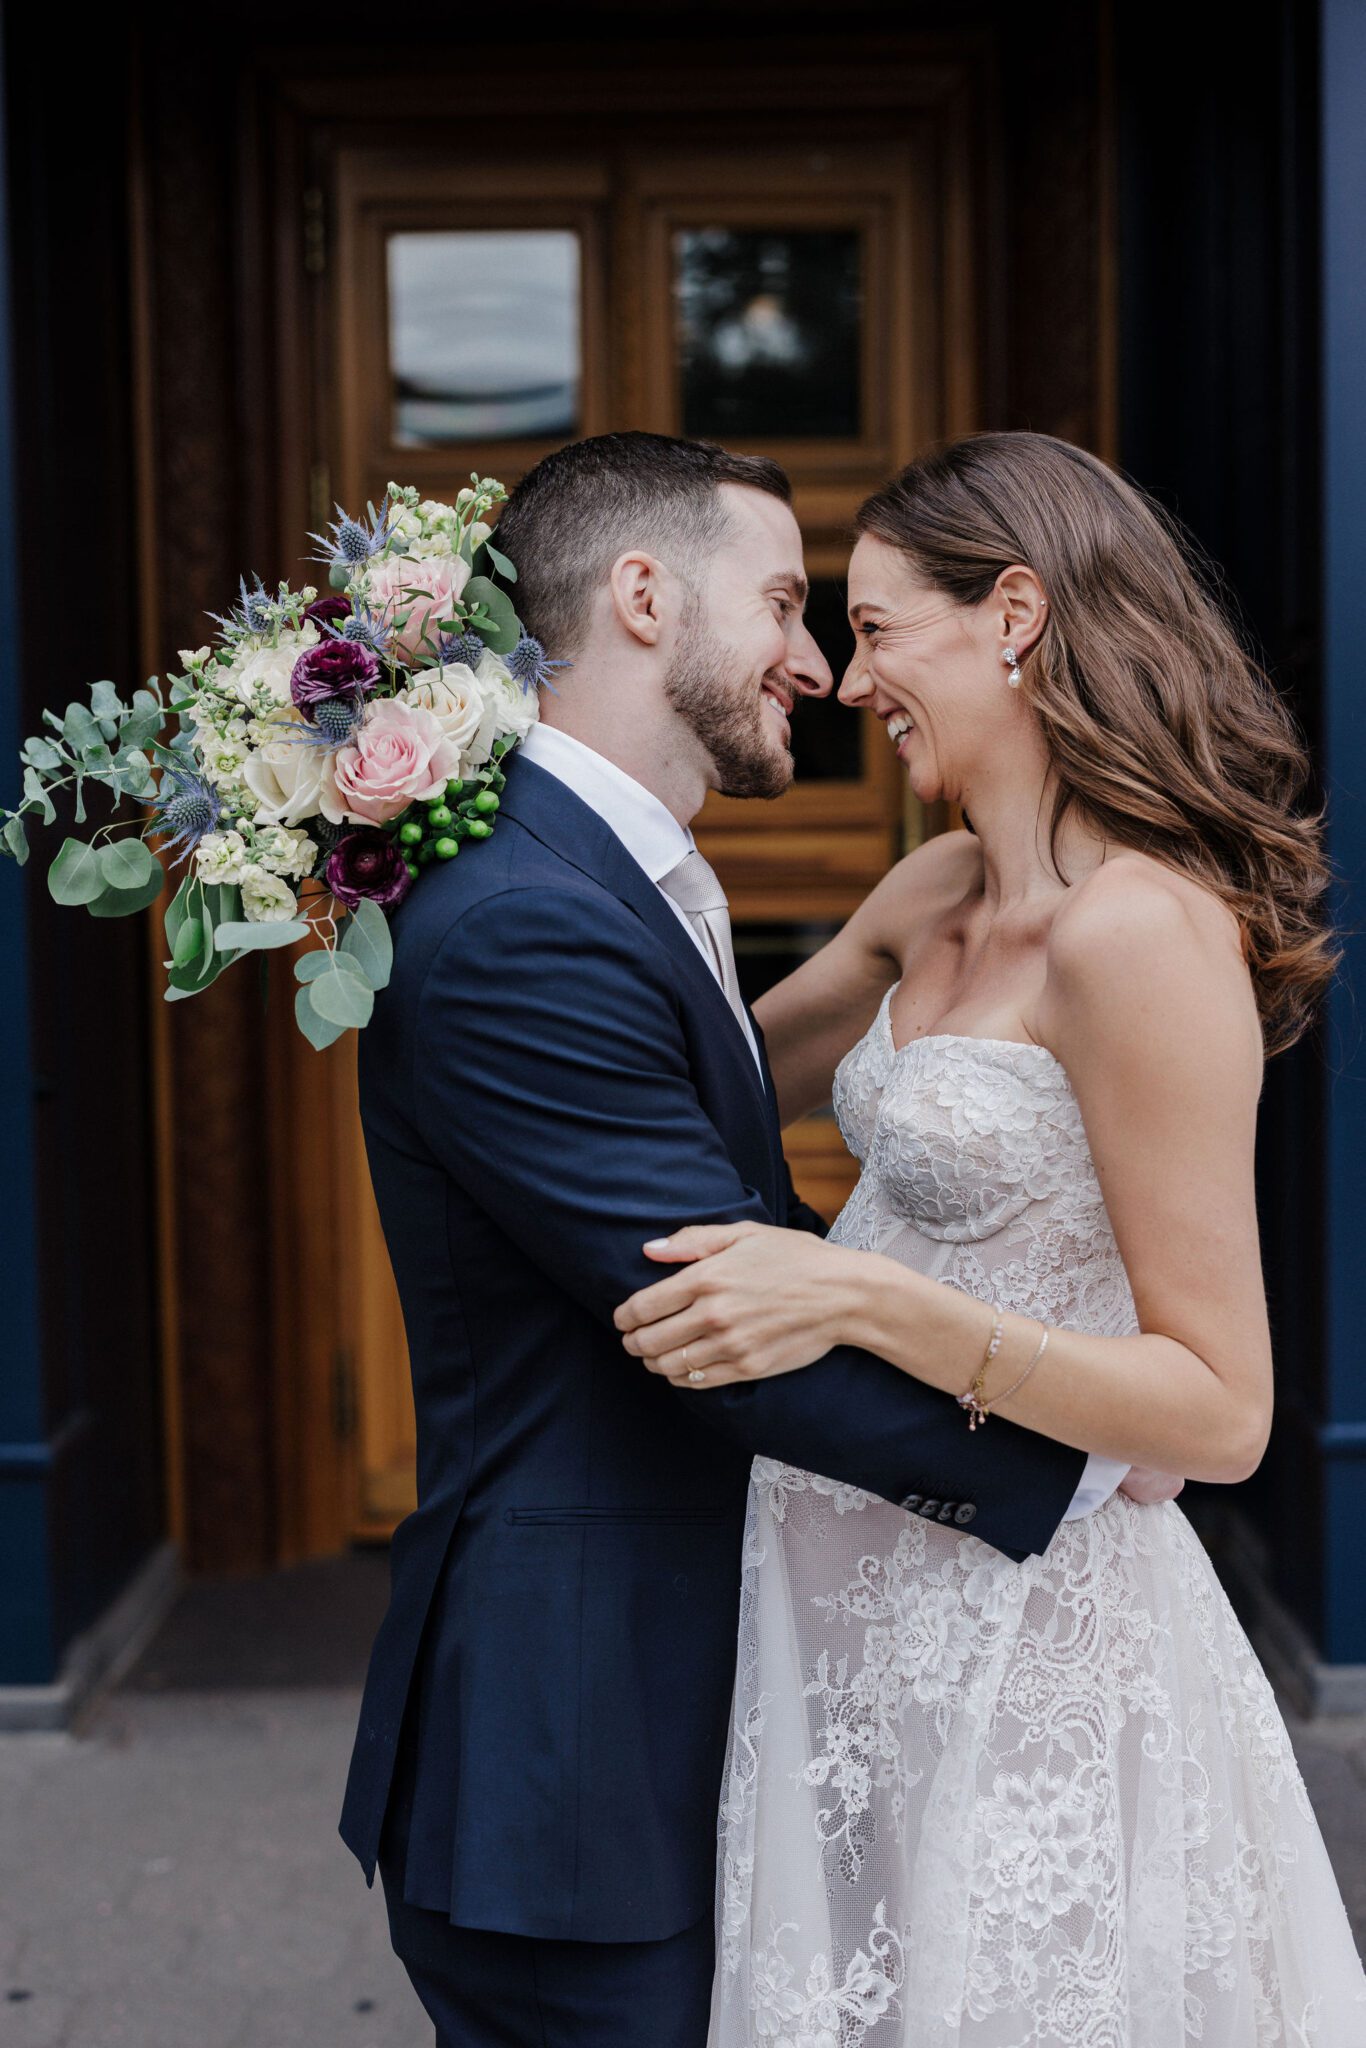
[751,1300]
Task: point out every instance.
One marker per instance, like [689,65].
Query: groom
[561,1068]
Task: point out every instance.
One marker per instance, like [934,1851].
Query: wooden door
[808,299]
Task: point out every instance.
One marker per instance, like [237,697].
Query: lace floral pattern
[1047,1805]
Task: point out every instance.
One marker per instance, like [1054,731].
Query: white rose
[290,779]
[515,710]
[267,670]
[265,898]
[463,709]
[221,857]
[286,853]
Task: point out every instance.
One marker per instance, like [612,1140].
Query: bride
[1049,1804]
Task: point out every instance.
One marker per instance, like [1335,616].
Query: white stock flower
[290,779]
[289,854]
[265,898]
[221,857]
[462,707]
[223,750]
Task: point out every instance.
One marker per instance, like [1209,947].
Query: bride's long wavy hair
[1161,729]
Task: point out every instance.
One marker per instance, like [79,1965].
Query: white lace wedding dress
[1049,1805]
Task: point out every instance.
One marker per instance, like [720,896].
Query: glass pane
[769,332]
[827,739]
[484,336]
[765,953]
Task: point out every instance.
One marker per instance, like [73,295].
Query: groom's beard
[725,708]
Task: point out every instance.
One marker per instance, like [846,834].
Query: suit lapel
[548,809]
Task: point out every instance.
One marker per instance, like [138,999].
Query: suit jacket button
[948,1511]
[930,1509]
[912,1501]
[965,1514]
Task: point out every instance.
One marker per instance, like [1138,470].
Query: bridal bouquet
[309,766]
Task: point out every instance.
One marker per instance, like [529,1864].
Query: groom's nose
[807,667]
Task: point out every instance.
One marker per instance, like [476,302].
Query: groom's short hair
[583,507]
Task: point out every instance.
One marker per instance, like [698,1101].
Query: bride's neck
[1012,819]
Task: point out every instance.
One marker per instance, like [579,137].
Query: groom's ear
[636,583]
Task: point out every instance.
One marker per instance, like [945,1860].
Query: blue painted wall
[1343,745]
[26,1641]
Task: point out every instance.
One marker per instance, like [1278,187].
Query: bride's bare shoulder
[1143,946]
[923,886]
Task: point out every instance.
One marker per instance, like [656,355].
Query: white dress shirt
[657,842]
[646,827]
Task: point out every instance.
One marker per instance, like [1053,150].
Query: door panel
[807,300]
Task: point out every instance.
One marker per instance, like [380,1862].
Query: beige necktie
[694,887]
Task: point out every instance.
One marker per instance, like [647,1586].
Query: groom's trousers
[488,1990]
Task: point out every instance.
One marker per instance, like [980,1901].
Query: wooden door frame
[236,193]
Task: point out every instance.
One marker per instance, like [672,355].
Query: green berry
[439,816]
[410,834]
[480,828]
[486,801]
[447,849]
[455,788]
[412,868]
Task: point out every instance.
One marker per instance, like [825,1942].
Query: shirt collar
[646,827]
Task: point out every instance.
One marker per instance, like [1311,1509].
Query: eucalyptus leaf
[187,903]
[80,799]
[80,729]
[34,793]
[189,941]
[505,568]
[41,753]
[322,960]
[127,864]
[366,939]
[319,1031]
[105,701]
[16,838]
[249,937]
[499,628]
[341,998]
[124,902]
[74,876]
[143,722]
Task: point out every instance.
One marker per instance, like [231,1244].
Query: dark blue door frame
[27,1647]
[1343,1428]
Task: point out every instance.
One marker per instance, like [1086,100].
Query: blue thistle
[464,648]
[529,664]
[364,628]
[191,809]
[255,614]
[352,542]
[336,718]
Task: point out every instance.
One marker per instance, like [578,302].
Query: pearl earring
[1008,657]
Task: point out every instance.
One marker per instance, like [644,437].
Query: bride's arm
[1148,1006]
[811,1018]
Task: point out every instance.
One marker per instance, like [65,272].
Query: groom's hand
[1148,1487]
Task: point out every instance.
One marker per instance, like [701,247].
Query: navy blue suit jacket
[551,1077]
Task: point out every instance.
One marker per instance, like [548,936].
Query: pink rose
[437,581]
[399,756]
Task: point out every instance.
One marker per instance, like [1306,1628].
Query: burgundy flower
[368,864]
[328,611]
[334,668]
